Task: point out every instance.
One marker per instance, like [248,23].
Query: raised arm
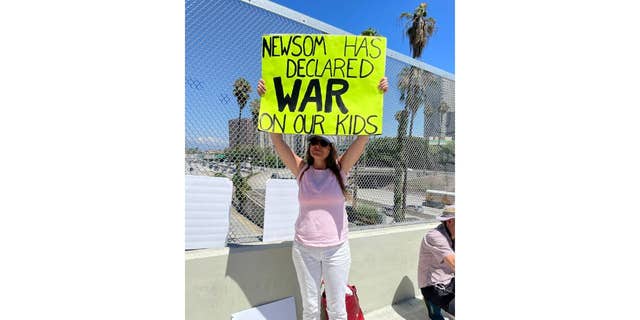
[288,157]
[355,150]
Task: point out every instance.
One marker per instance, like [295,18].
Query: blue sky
[223,41]
[355,16]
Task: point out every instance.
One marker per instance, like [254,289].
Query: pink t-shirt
[432,268]
[322,221]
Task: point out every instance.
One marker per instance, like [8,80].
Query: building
[242,131]
[263,140]
[296,142]
[448,90]
[434,123]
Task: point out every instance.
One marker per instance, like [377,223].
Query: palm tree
[356,169]
[370,32]
[354,181]
[241,90]
[419,29]
[428,115]
[413,82]
[413,93]
[444,107]
[255,112]
[415,87]
[430,108]
[399,199]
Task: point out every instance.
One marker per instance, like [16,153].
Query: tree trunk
[238,126]
[427,119]
[398,207]
[398,210]
[404,165]
[354,202]
[443,126]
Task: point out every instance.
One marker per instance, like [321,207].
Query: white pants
[312,264]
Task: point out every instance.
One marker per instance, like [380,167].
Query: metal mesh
[415,152]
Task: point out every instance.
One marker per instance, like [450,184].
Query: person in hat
[320,248]
[437,265]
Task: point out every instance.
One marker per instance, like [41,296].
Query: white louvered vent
[280,209]
[207,204]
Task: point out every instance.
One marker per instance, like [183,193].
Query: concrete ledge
[220,282]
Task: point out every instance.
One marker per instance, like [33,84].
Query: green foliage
[370,32]
[447,154]
[271,160]
[369,214]
[419,28]
[241,90]
[383,152]
[241,187]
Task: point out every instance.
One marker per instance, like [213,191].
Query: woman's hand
[261,87]
[384,84]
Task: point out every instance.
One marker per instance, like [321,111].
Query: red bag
[352,303]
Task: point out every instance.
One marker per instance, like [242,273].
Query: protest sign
[322,84]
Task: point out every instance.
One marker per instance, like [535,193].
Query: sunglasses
[314,142]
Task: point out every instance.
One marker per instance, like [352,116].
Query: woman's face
[319,149]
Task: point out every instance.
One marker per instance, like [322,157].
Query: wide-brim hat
[448,213]
[329,139]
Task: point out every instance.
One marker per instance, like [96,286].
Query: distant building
[296,142]
[433,124]
[242,131]
[448,90]
[451,125]
[263,140]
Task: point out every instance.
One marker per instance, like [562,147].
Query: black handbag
[445,290]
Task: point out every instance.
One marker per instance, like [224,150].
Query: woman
[320,247]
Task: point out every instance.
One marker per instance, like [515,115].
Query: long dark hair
[332,164]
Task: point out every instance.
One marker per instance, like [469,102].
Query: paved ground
[413,309]
[385,197]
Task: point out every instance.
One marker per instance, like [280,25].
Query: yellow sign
[322,84]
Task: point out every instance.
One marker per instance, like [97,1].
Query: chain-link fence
[404,176]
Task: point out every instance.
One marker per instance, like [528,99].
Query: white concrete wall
[221,282]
